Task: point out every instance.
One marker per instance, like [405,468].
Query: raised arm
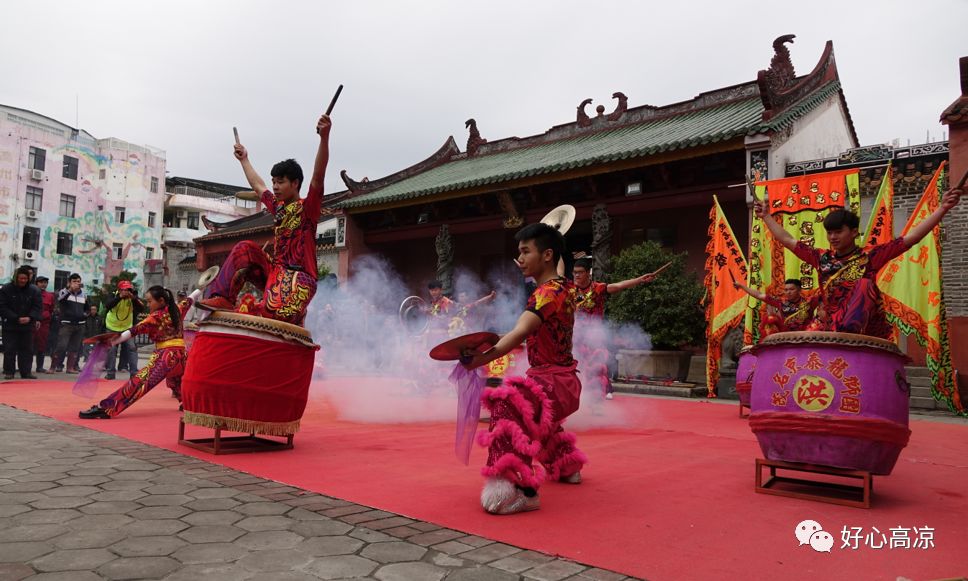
[616,287]
[948,201]
[255,182]
[751,292]
[527,324]
[781,235]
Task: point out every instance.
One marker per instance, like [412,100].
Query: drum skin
[830,399]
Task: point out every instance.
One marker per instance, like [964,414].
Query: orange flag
[725,305]
[880,225]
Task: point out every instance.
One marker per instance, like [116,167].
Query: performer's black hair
[434,284]
[24,269]
[74,276]
[545,237]
[288,169]
[160,292]
[585,263]
[795,281]
[840,218]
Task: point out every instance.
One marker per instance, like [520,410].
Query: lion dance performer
[796,311]
[527,413]
[163,326]
[591,336]
[289,277]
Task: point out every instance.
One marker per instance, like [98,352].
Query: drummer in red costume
[289,277]
[849,293]
[163,326]
[797,312]
[527,414]
[590,296]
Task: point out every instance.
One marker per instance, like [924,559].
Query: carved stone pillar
[601,242]
[445,259]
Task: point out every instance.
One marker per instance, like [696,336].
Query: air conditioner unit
[28,255]
[33,214]
[37,174]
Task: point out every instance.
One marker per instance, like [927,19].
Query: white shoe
[608,396]
[571,478]
[499,496]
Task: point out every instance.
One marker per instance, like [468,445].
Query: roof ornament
[780,75]
[621,108]
[474,140]
[583,119]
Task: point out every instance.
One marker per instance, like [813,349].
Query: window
[149,253]
[116,250]
[154,185]
[65,243]
[119,214]
[31,238]
[102,174]
[193,220]
[151,219]
[67,204]
[70,167]
[37,158]
[35,198]
[60,279]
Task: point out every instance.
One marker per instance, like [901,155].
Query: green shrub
[668,308]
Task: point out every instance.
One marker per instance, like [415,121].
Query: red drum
[744,374]
[831,399]
[248,374]
[512,364]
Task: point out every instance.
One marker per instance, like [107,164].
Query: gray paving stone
[117,496]
[596,574]
[475,541]
[433,537]
[52,516]
[262,508]
[32,532]
[554,571]
[33,477]
[134,475]
[67,576]
[275,560]
[116,484]
[165,500]
[491,552]
[159,512]
[321,528]
[24,551]
[342,566]
[110,507]
[451,547]
[88,539]
[13,509]
[270,540]
[99,521]
[211,572]
[302,514]
[211,534]
[209,553]
[289,576]
[62,491]
[91,471]
[170,489]
[521,561]
[410,572]
[371,536]
[446,560]
[393,552]
[73,560]
[328,546]
[482,573]
[20,497]
[83,480]
[36,486]
[152,527]
[159,546]
[212,504]
[66,502]
[206,493]
[265,523]
[212,517]
[138,567]
[14,571]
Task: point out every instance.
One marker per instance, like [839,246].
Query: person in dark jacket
[20,309]
[120,314]
[73,312]
[92,326]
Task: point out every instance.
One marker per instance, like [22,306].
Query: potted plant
[668,310]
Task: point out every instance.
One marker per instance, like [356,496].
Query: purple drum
[744,374]
[831,399]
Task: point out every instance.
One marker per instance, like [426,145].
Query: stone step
[920,391]
[922,403]
[658,389]
[914,371]
[920,381]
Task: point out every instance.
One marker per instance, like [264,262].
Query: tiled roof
[678,130]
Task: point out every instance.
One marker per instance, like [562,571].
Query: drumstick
[961,183]
[235,130]
[661,268]
[333,102]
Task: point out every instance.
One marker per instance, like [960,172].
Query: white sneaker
[499,496]
[608,396]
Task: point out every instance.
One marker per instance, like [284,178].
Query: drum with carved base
[831,399]
[248,374]
[745,369]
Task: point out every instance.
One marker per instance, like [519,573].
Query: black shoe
[110,375]
[8,376]
[29,376]
[95,413]
[41,370]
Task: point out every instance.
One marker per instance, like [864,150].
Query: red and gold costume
[527,413]
[590,336]
[42,333]
[289,276]
[849,293]
[797,315]
[167,362]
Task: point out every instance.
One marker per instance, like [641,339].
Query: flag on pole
[880,225]
[725,305]
[914,299]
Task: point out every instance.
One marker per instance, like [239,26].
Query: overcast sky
[179,74]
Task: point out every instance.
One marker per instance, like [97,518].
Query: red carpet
[670,499]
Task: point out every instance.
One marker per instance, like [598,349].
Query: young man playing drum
[289,277]
[849,293]
[527,414]
[796,311]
